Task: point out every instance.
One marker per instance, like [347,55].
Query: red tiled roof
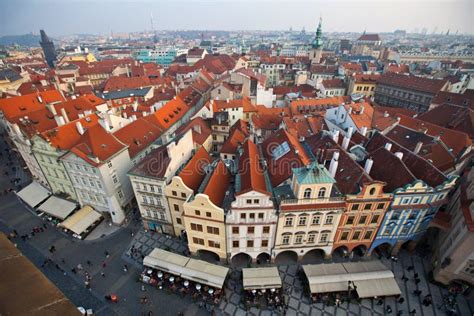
[218,184]
[138,135]
[245,103]
[402,68]
[194,173]
[432,86]
[366,78]
[66,136]
[451,117]
[200,130]
[280,169]
[123,83]
[334,84]
[154,164]
[251,171]
[22,105]
[96,142]
[369,37]
[169,113]
[465,100]
[316,105]
[349,175]
[231,144]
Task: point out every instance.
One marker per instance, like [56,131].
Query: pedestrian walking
[89,263]
[404,278]
[104,264]
[62,260]
[102,274]
[413,312]
[106,253]
[401,300]
[399,313]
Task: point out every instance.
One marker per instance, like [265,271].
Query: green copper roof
[313,173]
[318,40]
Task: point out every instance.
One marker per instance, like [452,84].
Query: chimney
[59,120]
[335,135]
[363,131]
[135,106]
[361,109]
[388,146]
[79,127]
[197,128]
[368,165]
[104,124]
[121,124]
[134,117]
[40,99]
[227,100]
[51,109]
[418,147]
[64,114]
[333,164]
[349,111]
[399,155]
[349,132]
[124,114]
[345,142]
[385,114]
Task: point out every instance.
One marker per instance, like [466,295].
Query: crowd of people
[265,298]
[205,295]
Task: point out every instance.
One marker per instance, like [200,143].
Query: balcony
[312,201]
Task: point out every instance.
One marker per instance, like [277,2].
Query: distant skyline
[65,17]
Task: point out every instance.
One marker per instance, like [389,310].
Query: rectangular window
[350,220]
[368,234]
[256,201]
[252,215]
[362,220]
[387,231]
[235,244]
[197,212]
[248,201]
[323,238]
[316,220]
[285,240]
[344,235]
[176,207]
[250,230]
[213,244]
[266,229]
[311,238]
[299,239]
[212,230]
[375,219]
[356,235]
[355,207]
[183,195]
[329,219]
[196,227]
[174,193]
[235,230]
[289,221]
[260,215]
[250,243]
[178,220]
[367,206]
[380,206]
[198,241]
[265,243]
[302,221]
[208,214]
[243,215]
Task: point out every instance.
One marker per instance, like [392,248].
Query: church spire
[318,40]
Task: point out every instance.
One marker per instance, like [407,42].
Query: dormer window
[307,193]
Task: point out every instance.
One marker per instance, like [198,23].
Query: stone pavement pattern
[299,304]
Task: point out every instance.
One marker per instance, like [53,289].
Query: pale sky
[63,17]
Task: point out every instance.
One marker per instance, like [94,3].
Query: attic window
[77,107]
[22,108]
[103,146]
[166,120]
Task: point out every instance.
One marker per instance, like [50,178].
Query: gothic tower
[316,50]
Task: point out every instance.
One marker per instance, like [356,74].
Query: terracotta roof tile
[138,135]
[22,105]
[218,184]
[409,82]
[251,171]
[194,171]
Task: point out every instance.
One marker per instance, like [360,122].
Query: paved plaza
[299,304]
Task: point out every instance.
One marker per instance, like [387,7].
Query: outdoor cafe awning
[261,278]
[58,208]
[205,273]
[33,194]
[371,278]
[166,261]
[81,220]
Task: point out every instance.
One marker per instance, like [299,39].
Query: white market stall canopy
[58,208]
[261,278]
[33,194]
[167,261]
[206,273]
[191,269]
[371,278]
[81,220]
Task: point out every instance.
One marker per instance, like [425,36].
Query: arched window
[307,193]
[322,192]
